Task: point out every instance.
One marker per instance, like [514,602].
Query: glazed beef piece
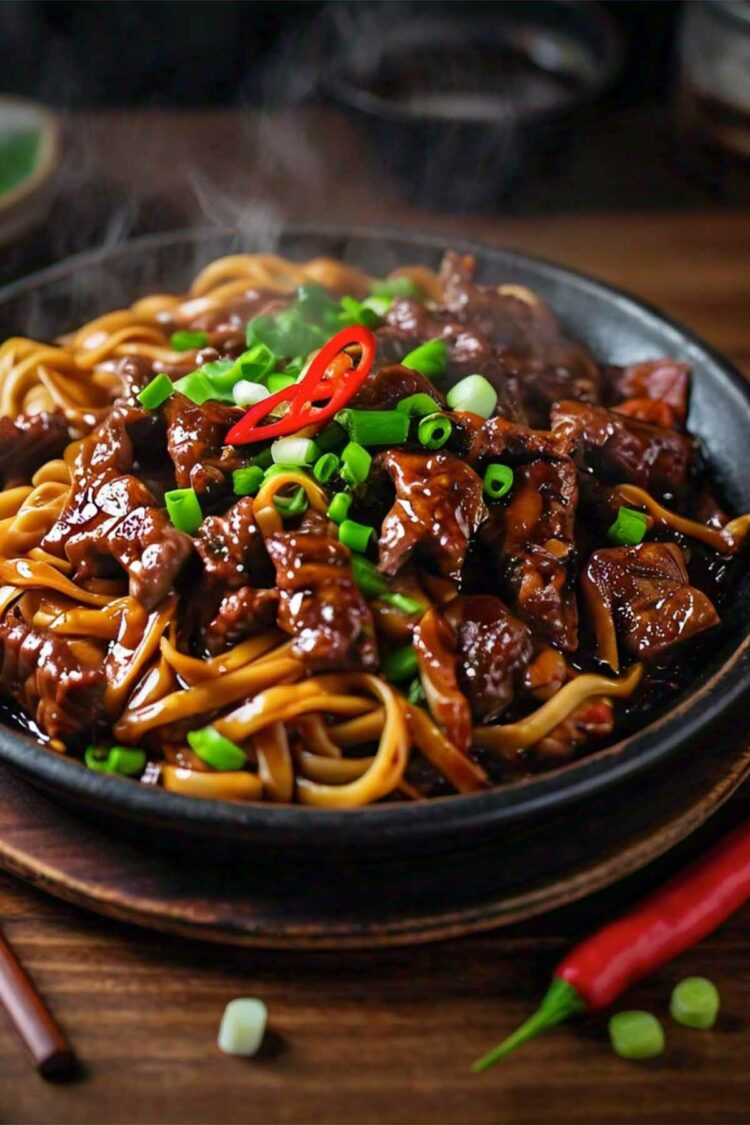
[626,450]
[60,686]
[242,613]
[29,440]
[319,604]
[111,513]
[642,596]
[438,508]
[231,546]
[532,540]
[493,649]
[384,387]
[435,645]
[195,440]
[664,381]
[498,439]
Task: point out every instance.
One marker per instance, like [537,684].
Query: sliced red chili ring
[314,388]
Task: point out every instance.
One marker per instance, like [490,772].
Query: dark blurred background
[256,112]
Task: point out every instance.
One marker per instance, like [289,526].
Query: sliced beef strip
[195,440]
[61,691]
[231,546]
[532,541]
[643,597]
[28,441]
[111,513]
[384,387]
[320,605]
[662,380]
[242,613]
[493,650]
[438,508]
[626,450]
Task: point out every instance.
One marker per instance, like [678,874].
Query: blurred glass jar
[714,93]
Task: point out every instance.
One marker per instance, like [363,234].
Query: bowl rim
[448,815]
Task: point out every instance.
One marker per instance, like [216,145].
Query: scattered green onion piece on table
[355,535]
[400,665]
[394,287]
[185,341]
[366,576]
[196,386]
[156,392]
[326,467]
[497,481]
[246,393]
[124,760]
[434,431]
[216,750]
[355,464]
[294,451]
[279,381]
[417,406]
[429,359]
[257,363]
[695,1002]
[636,1035]
[293,505]
[242,1027]
[339,507]
[184,509]
[416,694]
[402,602]
[247,481]
[474,394]
[629,528]
[375,427]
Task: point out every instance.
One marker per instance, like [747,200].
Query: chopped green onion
[257,363]
[246,393]
[357,312]
[394,287]
[474,394]
[403,603]
[434,431]
[429,359]
[331,438]
[216,750]
[402,664]
[416,693]
[184,509]
[196,386]
[375,427]
[498,480]
[355,535]
[124,760]
[355,464]
[263,459]
[276,470]
[339,507]
[279,381]
[417,406]
[247,481]
[188,341]
[695,1002]
[367,577]
[629,528]
[293,505]
[378,304]
[222,374]
[294,451]
[156,392]
[636,1035]
[325,467]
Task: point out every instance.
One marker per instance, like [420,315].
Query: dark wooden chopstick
[52,1054]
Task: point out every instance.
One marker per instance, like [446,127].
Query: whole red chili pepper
[313,388]
[668,921]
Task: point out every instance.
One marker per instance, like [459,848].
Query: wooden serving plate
[529,871]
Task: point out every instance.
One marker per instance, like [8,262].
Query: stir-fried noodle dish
[309,535]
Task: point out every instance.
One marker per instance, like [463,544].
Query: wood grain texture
[388,1036]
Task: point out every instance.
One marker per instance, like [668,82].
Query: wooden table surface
[388,1036]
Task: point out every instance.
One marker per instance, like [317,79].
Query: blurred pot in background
[463,99]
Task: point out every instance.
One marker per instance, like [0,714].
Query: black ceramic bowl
[617,328]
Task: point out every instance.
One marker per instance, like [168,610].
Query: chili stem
[560,1003]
